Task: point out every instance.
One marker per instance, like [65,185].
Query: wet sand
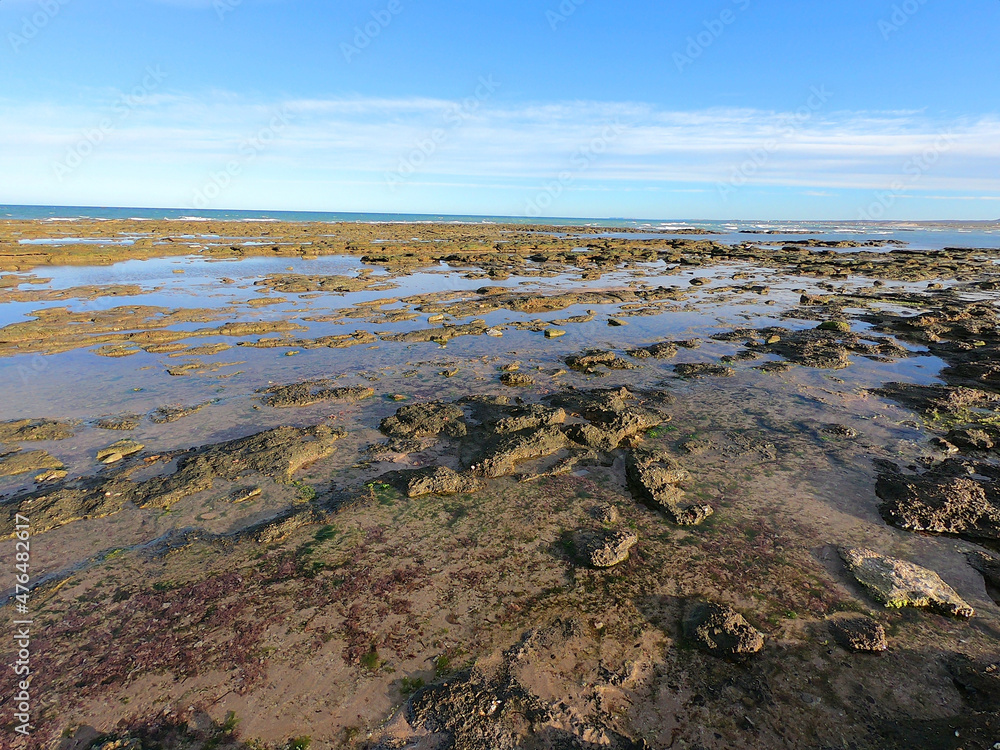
[472,486]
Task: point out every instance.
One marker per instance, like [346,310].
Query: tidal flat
[497,486]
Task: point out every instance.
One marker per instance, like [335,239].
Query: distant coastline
[65,213]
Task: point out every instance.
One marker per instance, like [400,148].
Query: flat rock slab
[21,430]
[117,451]
[860,634]
[897,583]
[721,630]
[438,480]
[312,392]
[124,423]
[28,461]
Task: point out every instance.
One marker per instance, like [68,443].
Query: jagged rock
[503,456]
[663,350]
[516,380]
[393,447]
[604,549]
[653,478]
[971,437]
[939,502]
[425,420]
[840,430]
[897,583]
[607,513]
[589,361]
[721,630]
[438,480]
[860,634]
[611,414]
[530,417]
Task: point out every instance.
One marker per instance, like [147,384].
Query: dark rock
[838,326]
[394,447]
[841,430]
[663,350]
[516,380]
[473,711]
[988,565]
[939,502]
[971,437]
[591,360]
[703,369]
[860,634]
[424,420]
[721,631]
[977,681]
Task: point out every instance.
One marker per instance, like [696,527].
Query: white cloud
[166,145]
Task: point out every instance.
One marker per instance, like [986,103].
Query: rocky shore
[618,509]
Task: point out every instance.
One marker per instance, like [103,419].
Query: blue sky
[702,109]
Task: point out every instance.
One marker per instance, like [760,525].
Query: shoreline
[490,489]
